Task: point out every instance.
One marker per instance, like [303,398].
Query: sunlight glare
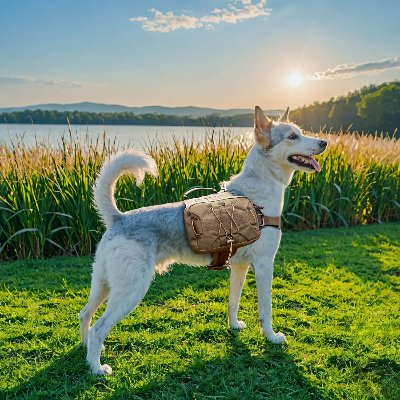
[295,79]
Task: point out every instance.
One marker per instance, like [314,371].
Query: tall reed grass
[46,203]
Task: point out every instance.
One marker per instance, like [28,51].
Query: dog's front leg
[264,270]
[238,276]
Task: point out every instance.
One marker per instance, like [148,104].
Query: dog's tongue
[315,164]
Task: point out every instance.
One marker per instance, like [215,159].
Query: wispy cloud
[350,70]
[18,80]
[236,11]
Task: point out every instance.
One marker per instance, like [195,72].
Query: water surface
[132,135]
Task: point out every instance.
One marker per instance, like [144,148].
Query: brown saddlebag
[219,224]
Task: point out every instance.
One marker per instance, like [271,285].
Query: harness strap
[221,260]
[265,220]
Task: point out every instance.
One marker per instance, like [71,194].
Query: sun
[295,79]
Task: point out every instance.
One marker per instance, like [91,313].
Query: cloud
[236,11]
[349,70]
[17,80]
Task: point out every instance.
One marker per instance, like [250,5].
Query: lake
[133,135]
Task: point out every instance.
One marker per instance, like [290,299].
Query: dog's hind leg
[123,298]
[98,293]
[237,278]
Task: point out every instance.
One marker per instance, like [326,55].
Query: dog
[139,243]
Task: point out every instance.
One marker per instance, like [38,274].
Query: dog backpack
[221,223]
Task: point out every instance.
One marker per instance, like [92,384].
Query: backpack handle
[195,189]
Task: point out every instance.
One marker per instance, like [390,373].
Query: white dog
[141,242]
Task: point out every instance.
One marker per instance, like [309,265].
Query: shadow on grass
[273,374]
[66,376]
[238,375]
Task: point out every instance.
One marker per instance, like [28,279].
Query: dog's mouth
[305,162]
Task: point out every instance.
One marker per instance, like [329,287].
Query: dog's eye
[293,136]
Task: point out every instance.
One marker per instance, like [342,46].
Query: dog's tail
[131,161]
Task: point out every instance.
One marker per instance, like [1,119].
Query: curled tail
[129,161]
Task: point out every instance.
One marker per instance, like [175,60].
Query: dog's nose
[323,143]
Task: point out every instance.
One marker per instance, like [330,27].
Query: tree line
[121,118]
[370,109]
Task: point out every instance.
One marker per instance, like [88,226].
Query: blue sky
[223,54]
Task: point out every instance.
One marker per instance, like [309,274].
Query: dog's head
[285,144]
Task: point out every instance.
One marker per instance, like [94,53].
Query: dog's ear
[285,116]
[261,121]
[262,127]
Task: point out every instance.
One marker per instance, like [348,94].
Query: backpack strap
[195,189]
[221,260]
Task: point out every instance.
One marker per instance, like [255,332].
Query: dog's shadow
[237,375]
[65,377]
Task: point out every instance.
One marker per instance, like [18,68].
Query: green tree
[381,109]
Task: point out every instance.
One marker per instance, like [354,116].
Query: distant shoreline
[44,117]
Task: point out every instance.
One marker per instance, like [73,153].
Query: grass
[46,199]
[336,296]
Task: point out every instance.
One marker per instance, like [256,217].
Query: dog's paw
[238,325]
[277,338]
[104,369]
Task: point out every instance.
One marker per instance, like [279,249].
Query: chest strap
[265,220]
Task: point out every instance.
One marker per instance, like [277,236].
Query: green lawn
[336,297]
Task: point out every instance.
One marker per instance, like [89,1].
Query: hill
[189,111]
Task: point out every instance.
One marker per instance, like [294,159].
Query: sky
[210,53]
